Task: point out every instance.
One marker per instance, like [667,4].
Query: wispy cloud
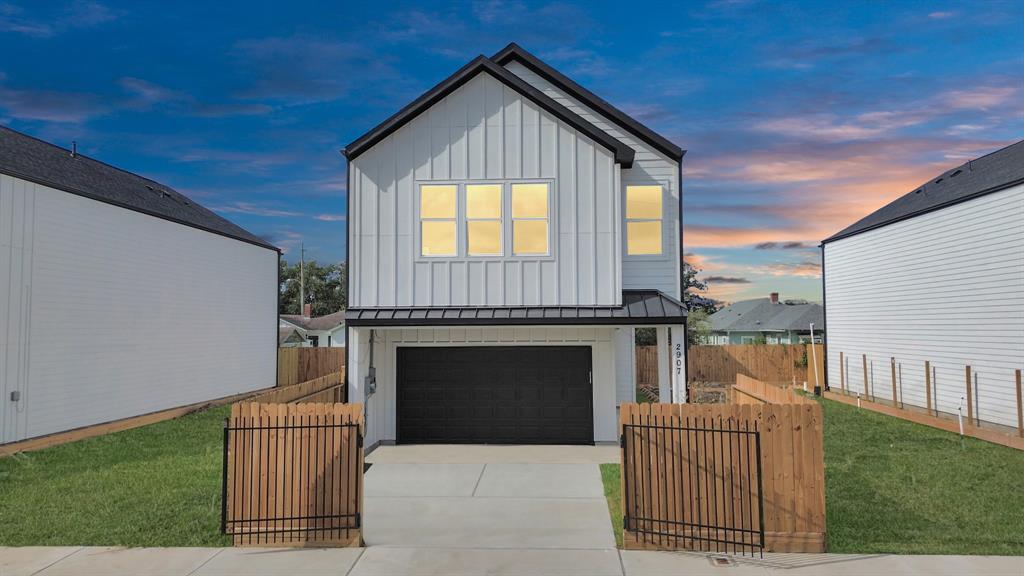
[78,14]
[51,105]
[941,15]
[782,245]
[330,217]
[726,280]
[147,95]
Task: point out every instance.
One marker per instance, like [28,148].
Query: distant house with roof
[766,321]
[319,332]
[936,278]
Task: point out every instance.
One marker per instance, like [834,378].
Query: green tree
[698,328]
[692,286]
[326,288]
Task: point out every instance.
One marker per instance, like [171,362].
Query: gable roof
[514,52]
[760,315]
[481,64]
[326,322]
[289,335]
[989,173]
[28,158]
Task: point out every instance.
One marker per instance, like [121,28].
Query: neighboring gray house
[120,296]
[508,230]
[935,276]
[320,331]
[291,337]
[767,321]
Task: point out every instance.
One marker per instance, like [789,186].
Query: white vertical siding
[484,130]
[649,167]
[946,287]
[381,423]
[109,313]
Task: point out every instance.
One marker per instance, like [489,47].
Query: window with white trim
[643,220]
[484,229]
[438,212]
[530,219]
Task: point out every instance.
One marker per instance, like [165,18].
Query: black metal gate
[692,484]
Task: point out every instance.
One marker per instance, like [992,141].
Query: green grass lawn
[158,485]
[611,477]
[893,486]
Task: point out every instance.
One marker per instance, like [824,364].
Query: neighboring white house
[319,331]
[766,321]
[120,296]
[938,276]
[508,231]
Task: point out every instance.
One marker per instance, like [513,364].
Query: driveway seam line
[207,561]
[61,559]
[622,563]
[362,551]
[478,479]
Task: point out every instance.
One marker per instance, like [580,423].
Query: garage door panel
[495,395]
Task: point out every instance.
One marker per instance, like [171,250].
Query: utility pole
[302,279]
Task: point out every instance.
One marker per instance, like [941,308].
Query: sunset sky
[799,117]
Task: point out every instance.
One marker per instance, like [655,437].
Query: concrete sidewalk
[384,560]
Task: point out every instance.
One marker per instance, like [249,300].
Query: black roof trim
[29,158]
[515,52]
[638,307]
[995,171]
[623,153]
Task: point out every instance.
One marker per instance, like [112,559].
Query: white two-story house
[509,230]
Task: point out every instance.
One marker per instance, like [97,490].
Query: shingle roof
[481,64]
[760,314]
[638,307]
[28,158]
[285,335]
[326,322]
[984,175]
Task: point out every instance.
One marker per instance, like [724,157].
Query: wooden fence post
[928,384]
[892,369]
[970,402]
[1020,409]
[867,393]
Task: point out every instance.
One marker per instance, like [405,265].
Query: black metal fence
[693,485]
[292,478]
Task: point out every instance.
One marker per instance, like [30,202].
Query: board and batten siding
[485,131]
[381,424]
[107,313]
[649,167]
[946,287]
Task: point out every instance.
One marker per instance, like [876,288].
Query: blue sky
[799,117]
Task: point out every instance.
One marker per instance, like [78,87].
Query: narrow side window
[483,220]
[530,219]
[643,220]
[437,220]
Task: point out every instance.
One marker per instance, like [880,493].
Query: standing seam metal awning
[638,307]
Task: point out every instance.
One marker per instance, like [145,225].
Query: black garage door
[495,395]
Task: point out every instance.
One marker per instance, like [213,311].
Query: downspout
[824,328]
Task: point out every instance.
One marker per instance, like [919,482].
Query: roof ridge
[77,154]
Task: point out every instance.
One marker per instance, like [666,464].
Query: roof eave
[515,52]
[623,154]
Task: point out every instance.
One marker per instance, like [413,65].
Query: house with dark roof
[509,230]
[121,295]
[766,321]
[934,279]
[317,331]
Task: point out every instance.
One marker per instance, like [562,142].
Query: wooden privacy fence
[766,362]
[293,474]
[747,390]
[296,365]
[647,366]
[305,391]
[683,489]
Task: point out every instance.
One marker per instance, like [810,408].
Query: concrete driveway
[488,497]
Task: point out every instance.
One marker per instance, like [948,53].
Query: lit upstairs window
[643,220]
[529,219]
[437,220]
[483,219]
